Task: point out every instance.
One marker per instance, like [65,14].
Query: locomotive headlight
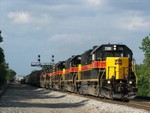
[108,81]
[130,82]
[114,47]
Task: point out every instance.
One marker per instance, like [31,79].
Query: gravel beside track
[26,99]
[3,88]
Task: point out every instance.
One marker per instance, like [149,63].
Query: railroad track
[141,103]
[134,103]
[144,104]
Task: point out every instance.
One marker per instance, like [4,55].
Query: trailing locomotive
[105,71]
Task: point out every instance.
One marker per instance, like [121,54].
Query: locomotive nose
[120,88]
[117,67]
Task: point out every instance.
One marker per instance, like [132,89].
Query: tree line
[143,70]
[7,75]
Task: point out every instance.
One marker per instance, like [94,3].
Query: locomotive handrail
[134,70]
[102,77]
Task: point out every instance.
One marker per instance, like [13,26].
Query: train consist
[33,78]
[104,71]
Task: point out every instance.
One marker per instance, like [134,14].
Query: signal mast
[44,65]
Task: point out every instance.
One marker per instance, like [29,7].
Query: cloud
[69,43]
[135,23]
[95,2]
[19,17]
[69,38]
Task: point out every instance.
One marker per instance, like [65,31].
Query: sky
[69,27]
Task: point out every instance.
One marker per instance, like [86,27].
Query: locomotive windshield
[116,54]
[113,54]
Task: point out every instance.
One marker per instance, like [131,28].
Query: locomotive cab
[118,79]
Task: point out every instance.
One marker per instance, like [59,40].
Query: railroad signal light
[39,58]
[52,58]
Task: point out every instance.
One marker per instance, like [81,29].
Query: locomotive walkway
[21,98]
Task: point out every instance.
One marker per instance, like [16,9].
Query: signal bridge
[38,64]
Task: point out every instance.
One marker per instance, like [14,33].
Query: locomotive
[104,71]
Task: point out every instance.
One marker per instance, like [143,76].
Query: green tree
[3,65]
[1,38]
[143,81]
[144,69]
[6,74]
[10,77]
[3,72]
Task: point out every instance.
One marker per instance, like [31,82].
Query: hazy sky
[68,27]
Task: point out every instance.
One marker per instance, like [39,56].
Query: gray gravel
[27,99]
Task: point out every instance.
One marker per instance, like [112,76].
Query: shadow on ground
[47,105]
[17,95]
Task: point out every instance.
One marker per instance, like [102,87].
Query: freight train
[104,71]
[33,78]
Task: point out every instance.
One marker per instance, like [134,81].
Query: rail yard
[20,98]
